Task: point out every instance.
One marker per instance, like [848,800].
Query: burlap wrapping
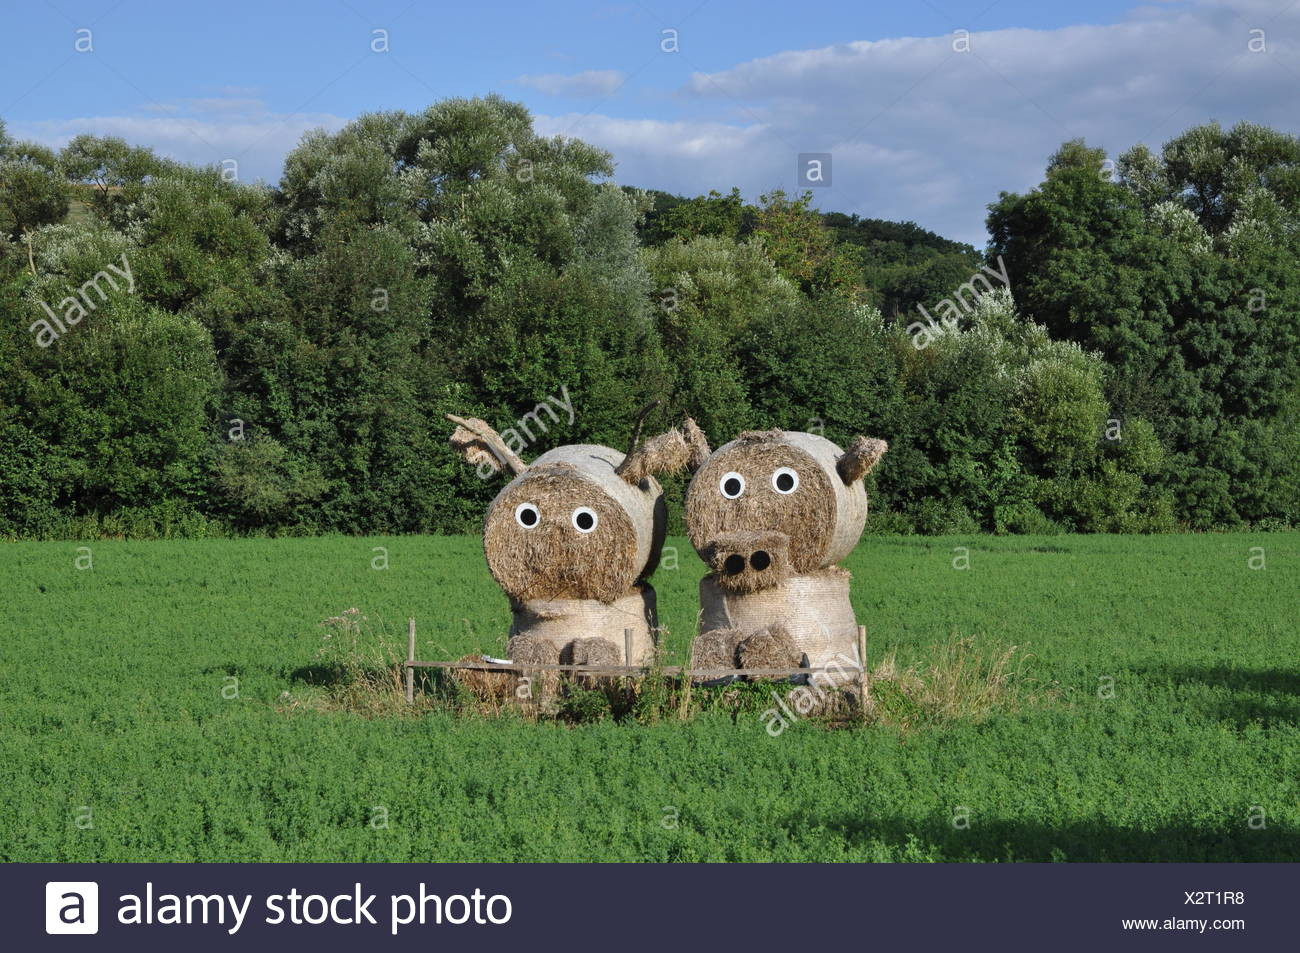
[563,620]
[850,501]
[815,610]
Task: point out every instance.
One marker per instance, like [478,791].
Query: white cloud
[916,130]
[586,85]
[200,131]
[920,131]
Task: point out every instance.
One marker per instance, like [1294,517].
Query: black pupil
[732,487]
[585,521]
[785,481]
[528,517]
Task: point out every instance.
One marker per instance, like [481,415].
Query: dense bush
[280,359]
[1183,275]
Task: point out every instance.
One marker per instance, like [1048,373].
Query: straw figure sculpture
[573,538]
[772,514]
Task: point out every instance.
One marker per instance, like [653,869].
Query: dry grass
[715,648]
[360,669]
[961,681]
[361,672]
[593,652]
[769,648]
[493,691]
[667,453]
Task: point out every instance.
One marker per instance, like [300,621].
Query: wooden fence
[634,671]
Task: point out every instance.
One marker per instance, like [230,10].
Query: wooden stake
[410,657]
[862,664]
[627,647]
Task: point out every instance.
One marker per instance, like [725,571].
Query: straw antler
[481,444]
[640,422]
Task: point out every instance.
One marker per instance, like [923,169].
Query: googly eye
[732,485]
[785,481]
[585,519]
[527,515]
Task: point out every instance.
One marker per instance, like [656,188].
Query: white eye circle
[527,515]
[785,480]
[585,519]
[732,485]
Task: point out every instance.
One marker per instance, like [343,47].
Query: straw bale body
[572,538]
[813,612]
[559,622]
[771,514]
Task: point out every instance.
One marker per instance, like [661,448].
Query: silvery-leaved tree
[33,188]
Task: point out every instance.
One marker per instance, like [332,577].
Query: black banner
[648,907]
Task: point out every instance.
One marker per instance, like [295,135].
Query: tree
[714,215]
[804,249]
[904,266]
[530,285]
[110,169]
[709,293]
[121,400]
[33,189]
[1182,274]
[1216,174]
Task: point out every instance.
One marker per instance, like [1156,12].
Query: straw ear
[863,454]
[678,449]
[697,442]
[481,445]
[666,453]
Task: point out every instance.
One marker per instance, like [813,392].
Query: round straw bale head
[778,481]
[569,527]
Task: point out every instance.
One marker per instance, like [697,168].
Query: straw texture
[552,559]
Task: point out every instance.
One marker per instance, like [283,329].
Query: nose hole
[735,563]
[760,560]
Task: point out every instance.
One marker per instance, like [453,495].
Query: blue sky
[918,128]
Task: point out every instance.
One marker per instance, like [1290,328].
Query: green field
[118,740]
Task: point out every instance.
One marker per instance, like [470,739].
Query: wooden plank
[630,669]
